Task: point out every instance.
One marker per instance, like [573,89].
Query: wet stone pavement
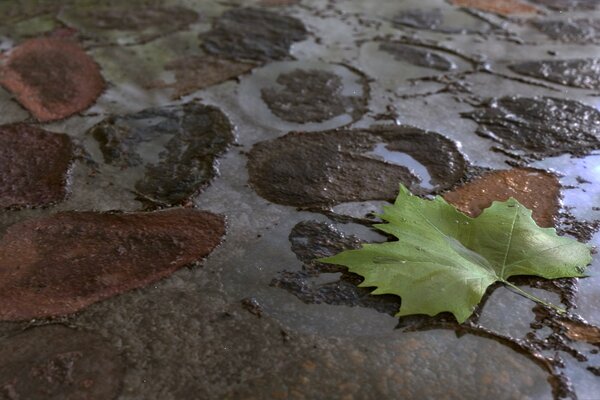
[170,173]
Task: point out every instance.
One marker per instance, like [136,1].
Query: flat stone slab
[60,264]
[572,30]
[568,5]
[34,166]
[127,22]
[185,142]
[312,96]
[537,190]
[54,362]
[253,34]
[580,73]
[539,126]
[197,72]
[333,167]
[75,82]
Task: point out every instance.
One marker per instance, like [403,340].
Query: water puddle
[404,159]
[396,62]
[580,178]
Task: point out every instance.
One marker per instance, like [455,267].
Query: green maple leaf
[444,260]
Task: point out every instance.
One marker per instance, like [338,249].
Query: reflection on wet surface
[229,115]
[580,30]
[540,126]
[400,158]
[177,147]
[581,73]
[327,168]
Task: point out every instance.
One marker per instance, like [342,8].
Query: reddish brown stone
[537,190]
[33,166]
[502,7]
[54,362]
[193,73]
[581,331]
[60,264]
[51,77]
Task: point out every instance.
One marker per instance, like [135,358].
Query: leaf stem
[534,298]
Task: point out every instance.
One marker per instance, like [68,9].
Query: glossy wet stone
[192,335]
[580,73]
[581,331]
[539,126]
[53,78]
[304,95]
[251,357]
[54,362]
[568,5]
[193,73]
[584,231]
[60,264]
[138,18]
[253,34]
[417,56]
[575,30]
[127,22]
[319,283]
[408,369]
[312,96]
[537,190]
[503,7]
[177,146]
[34,166]
[437,19]
[419,18]
[327,168]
